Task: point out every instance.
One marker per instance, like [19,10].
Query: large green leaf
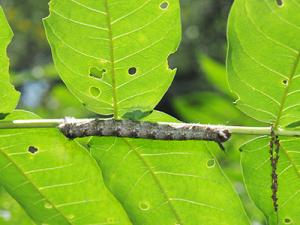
[264,59]
[257,173]
[11,213]
[215,73]
[9,97]
[169,183]
[264,71]
[55,179]
[113,54]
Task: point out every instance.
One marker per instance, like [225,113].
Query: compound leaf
[113,54]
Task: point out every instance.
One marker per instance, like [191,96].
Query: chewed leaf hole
[95,91]
[32,149]
[287,221]
[96,72]
[132,70]
[285,82]
[280,3]
[164,5]
[211,163]
[171,61]
[144,205]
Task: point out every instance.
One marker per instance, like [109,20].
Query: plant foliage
[113,56]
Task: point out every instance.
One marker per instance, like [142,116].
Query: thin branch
[76,128]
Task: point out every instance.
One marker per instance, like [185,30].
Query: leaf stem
[74,128]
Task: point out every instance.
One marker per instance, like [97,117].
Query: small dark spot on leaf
[2,116]
[32,149]
[279,2]
[132,71]
[95,91]
[164,5]
[287,221]
[285,82]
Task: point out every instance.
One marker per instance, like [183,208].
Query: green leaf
[214,72]
[208,107]
[9,97]
[11,212]
[264,59]
[55,179]
[113,54]
[169,183]
[264,71]
[257,173]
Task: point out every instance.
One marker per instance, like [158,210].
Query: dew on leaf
[132,71]
[164,5]
[210,163]
[144,205]
[95,91]
[32,149]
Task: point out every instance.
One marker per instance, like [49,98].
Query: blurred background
[198,94]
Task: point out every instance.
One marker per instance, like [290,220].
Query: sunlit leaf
[169,183]
[264,59]
[55,179]
[257,173]
[11,213]
[9,97]
[113,55]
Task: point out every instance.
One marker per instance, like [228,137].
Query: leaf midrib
[157,181]
[112,59]
[34,185]
[286,91]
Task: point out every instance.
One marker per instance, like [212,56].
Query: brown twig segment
[146,130]
[274,157]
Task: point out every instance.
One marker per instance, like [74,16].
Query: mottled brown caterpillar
[146,130]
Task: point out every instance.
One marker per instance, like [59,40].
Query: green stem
[53,123]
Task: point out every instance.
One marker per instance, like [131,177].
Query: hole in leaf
[279,3]
[285,82]
[164,5]
[171,61]
[144,206]
[96,72]
[32,149]
[287,221]
[95,91]
[132,71]
[211,163]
